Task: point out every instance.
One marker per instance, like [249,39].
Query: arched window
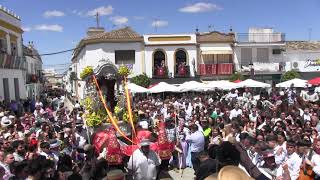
[181,62]
[159,58]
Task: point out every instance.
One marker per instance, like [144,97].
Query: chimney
[95,30]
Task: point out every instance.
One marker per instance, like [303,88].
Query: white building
[12,63]
[176,53]
[215,55]
[105,52]
[262,49]
[34,78]
[171,57]
[304,57]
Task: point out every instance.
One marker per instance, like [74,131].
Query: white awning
[216,50]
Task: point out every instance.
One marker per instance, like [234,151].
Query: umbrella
[226,85]
[192,86]
[314,81]
[252,83]
[237,81]
[163,87]
[296,83]
[136,88]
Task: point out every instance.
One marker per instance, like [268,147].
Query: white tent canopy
[223,84]
[137,89]
[192,86]
[252,83]
[163,87]
[296,83]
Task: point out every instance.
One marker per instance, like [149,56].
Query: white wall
[301,58]
[11,74]
[273,58]
[91,54]
[170,55]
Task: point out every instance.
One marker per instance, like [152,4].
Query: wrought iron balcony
[8,61]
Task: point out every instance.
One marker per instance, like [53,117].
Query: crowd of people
[269,134]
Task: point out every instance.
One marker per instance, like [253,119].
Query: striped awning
[216,50]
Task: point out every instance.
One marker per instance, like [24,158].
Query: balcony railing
[182,71]
[215,69]
[8,61]
[264,67]
[160,72]
[260,37]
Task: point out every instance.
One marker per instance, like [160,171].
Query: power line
[54,53]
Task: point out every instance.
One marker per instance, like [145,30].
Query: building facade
[304,57]
[215,55]
[12,62]
[34,79]
[169,56]
[259,54]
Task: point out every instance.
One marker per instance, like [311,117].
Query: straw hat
[233,172]
[115,174]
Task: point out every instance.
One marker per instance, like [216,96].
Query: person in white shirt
[235,112]
[306,115]
[291,167]
[314,162]
[144,162]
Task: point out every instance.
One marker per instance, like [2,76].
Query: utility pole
[97,20]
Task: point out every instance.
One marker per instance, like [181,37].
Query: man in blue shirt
[196,140]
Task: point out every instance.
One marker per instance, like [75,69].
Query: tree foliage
[87,71]
[141,80]
[290,75]
[236,76]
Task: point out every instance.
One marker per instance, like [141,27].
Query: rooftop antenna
[210,28]
[156,24]
[309,33]
[97,19]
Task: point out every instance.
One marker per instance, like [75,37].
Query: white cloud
[119,20]
[103,11]
[200,7]
[138,17]
[159,23]
[47,27]
[53,13]
[26,29]
[79,13]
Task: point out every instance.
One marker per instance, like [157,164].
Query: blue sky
[55,25]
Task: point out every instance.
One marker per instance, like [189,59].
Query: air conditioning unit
[295,65]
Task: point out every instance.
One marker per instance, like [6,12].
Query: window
[262,54]
[208,58]
[6,91]
[16,88]
[246,56]
[224,58]
[125,57]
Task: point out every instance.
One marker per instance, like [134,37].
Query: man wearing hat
[144,162]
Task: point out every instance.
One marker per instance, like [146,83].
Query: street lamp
[251,70]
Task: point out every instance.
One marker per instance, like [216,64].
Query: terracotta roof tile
[123,33]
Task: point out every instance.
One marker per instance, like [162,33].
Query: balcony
[215,69]
[260,37]
[160,72]
[264,67]
[8,61]
[182,71]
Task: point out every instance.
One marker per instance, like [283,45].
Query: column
[8,44]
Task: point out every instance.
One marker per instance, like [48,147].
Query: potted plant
[86,72]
